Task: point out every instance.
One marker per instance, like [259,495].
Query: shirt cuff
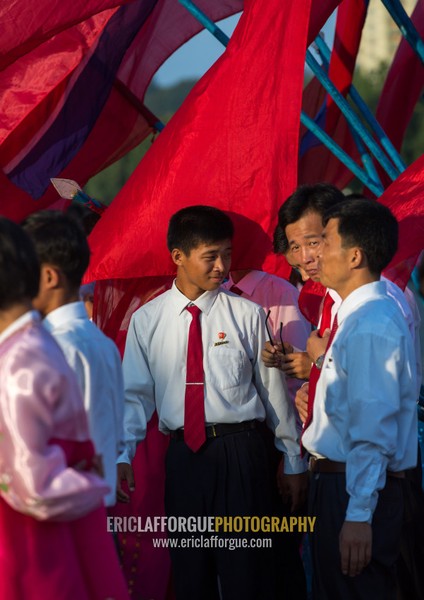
[360,510]
[294,464]
[124,457]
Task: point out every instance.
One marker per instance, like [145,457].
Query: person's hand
[317,345]
[293,488]
[97,465]
[355,543]
[94,465]
[125,473]
[272,353]
[296,364]
[301,401]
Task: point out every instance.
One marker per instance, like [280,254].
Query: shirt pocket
[225,367]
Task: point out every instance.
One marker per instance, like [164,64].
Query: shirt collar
[64,314]
[204,302]
[31,315]
[249,282]
[363,294]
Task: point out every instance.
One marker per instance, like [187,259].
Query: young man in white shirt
[64,254]
[363,432]
[226,473]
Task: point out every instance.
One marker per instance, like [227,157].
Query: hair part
[195,225]
[369,225]
[305,199]
[19,267]
[60,241]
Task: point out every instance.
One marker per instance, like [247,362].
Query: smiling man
[363,433]
[193,354]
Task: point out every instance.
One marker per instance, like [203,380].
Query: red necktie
[194,403]
[315,372]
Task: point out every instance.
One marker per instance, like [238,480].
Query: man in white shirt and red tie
[362,436]
[216,464]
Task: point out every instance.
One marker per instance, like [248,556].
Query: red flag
[92,132]
[403,85]
[404,198]
[350,22]
[317,163]
[28,23]
[232,144]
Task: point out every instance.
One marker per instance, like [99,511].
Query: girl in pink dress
[54,542]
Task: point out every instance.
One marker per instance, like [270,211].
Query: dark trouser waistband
[325,465]
[213,431]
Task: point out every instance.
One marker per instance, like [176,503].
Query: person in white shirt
[298,236]
[63,252]
[227,472]
[362,436]
[279,298]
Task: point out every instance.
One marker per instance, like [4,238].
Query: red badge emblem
[222,335]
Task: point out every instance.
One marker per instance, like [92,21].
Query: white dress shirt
[281,298]
[409,309]
[238,387]
[97,364]
[365,401]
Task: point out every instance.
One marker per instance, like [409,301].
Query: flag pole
[407,28]
[318,132]
[384,140]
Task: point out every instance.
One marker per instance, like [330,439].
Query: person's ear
[177,256]
[50,277]
[358,258]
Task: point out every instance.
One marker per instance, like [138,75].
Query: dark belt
[213,431]
[325,465]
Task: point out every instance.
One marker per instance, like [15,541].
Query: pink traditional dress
[54,542]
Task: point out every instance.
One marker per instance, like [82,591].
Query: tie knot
[194,310]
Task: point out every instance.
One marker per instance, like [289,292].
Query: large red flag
[403,85]
[28,23]
[232,144]
[316,162]
[73,104]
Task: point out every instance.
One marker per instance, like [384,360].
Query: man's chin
[215,283]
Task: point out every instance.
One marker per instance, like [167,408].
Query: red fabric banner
[403,85]
[316,162]
[404,198]
[38,68]
[28,23]
[232,144]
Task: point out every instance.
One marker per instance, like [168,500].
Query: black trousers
[229,476]
[291,579]
[328,501]
[410,566]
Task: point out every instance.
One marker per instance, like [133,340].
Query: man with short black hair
[362,435]
[63,252]
[193,354]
